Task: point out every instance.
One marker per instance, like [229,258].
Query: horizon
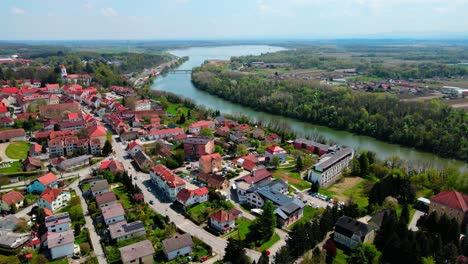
[27,20]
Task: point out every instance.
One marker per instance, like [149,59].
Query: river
[181,84]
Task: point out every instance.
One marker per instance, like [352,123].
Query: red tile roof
[202,123]
[201,191]
[12,133]
[452,199]
[256,176]
[223,216]
[133,144]
[47,179]
[176,130]
[12,197]
[272,149]
[97,131]
[168,176]
[105,164]
[11,90]
[210,157]
[35,148]
[50,194]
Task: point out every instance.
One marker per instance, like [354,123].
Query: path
[412,225]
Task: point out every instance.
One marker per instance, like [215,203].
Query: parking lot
[314,200]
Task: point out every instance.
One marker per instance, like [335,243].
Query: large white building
[330,166]
[169,183]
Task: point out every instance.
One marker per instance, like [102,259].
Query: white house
[143,105]
[275,151]
[60,244]
[330,166]
[113,213]
[58,223]
[169,183]
[188,197]
[223,221]
[179,245]
[134,147]
[196,127]
[53,199]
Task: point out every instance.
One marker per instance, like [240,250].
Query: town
[105,175]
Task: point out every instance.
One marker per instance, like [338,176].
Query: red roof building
[256,176]
[188,197]
[451,203]
[11,198]
[167,181]
[196,127]
[47,179]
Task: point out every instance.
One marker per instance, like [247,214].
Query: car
[151,202]
[204,258]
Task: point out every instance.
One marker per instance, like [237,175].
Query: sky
[230,19]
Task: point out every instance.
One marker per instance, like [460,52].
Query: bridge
[179,71]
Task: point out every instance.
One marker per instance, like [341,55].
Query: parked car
[203,259]
[151,202]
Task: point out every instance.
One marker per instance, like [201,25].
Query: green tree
[235,252]
[241,150]
[263,226]
[314,187]
[206,132]
[275,162]
[107,149]
[299,164]
[405,214]
[364,164]
[283,256]
[181,119]
[428,260]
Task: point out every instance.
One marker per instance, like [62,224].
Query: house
[223,221]
[451,203]
[376,221]
[142,105]
[53,199]
[351,233]
[10,199]
[58,223]
[32,164]
[123,230]
[142,160]
[330,166]
[179,245]
[275,151]
[98,132]
[256,176]
[73,163]
[7,121]
[134,147]
[113,166]
[113,213]
[165,133]
[11,135]
[99,187]
[57,110]
[141,253]
[257,133]
[195,147]
[222,131]
[210,163]
[272,139]
[60,244]
[48,180]
[311,146]
[248,162]
[214,180]
[52,88]
[167,181]
[196,127]
[35,150]
[105,199]
[12,240]
[188,197]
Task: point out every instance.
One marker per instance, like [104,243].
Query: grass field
[123,196]
[17,150]
[309,214]
[242,229]
[340,257]
[349,187]
[292,176]
[14,167]
[275,238]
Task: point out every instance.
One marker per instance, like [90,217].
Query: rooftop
[57,219]
[123,228]
[112,211]
[177,242]
[105,198]
[329,159]
[452,199]
[58,239]
[137,250]
[99,185]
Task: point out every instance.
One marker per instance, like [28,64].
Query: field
[17,150]
[292,176]
[309,214]
[242,228]
[15,166]
[350,187]
[122,196]
[275,238]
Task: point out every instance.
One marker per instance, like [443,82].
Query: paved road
[412,225]
[3,156]
[142,180]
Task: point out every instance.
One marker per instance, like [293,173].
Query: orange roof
[168,176]
[47,179]
[73,115]
[274,149]
[133,144]
[202,123]
[223,216]
[12,197]
[452,199]
[97,131]
[167,131]
[185,194]
[210,157]
[47,212]
[50,194]
[105,164]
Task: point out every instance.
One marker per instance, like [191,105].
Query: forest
[428,126]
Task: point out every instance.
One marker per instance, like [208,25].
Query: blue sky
[219,19]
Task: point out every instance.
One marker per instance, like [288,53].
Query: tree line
[428,126]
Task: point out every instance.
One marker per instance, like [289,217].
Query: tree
[181,119]
[314,187]
[364,164]
[57,127]
[22,226]
[235,252]
[264,258]
[85,248]
[219,149]
[405,214]
[428,260]
[107,149]
[275,162]
[330,250]
[77,229]
[206,132]
[263,227]
[241,150]
[317,257]
[447,254]
[283,257]
[299,164]
[14,208]
[39,259]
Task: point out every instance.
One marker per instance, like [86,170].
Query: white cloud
[88,5]
[17,11]
[109,12]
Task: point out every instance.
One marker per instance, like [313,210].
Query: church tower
[63,71]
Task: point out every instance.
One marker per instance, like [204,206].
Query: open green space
[292,177]
[340,257]
[15,166]
[122,195]
[242,228]
[309,214]
[200,212]
[275,238]
[358,195]
[17,150]
[326,192]
[172,109]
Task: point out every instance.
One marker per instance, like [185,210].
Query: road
[142,180]
[412,225]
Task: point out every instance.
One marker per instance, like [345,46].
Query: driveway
[412,225]
[3,156]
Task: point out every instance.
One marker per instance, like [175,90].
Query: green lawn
[200,212]
[172,109]
[309,214]
[326,192]
[242,228]
[275,238]
[122,194]
[292,176]
[15,166]
[340,257]
[17,150]
[357,192]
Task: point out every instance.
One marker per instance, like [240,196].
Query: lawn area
[15,166]
[340,257]
[200,212]
[172,109]
[350,186]
[357,192]
[242,228]
[309,214]
[17,150]
[326,192]
[275,238]
[292,176]
[122,195]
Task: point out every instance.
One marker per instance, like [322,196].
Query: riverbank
[181,84]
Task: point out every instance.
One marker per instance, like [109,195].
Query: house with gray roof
[351,233]
[113,214]
[99,187]
[105,199]
[178,245]
[60,244]
[10,240]
[288,210]
[123,230]
[73,163]
[140,252]
[58,222]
